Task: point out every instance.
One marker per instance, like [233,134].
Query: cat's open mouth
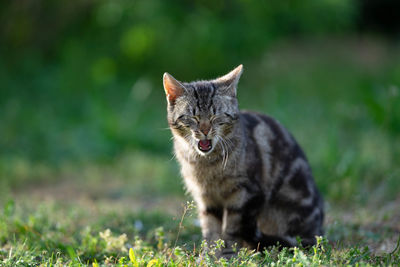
[205,145]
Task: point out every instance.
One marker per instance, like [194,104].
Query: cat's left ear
[228,83]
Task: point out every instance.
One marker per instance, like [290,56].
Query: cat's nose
[205,128]
[205,131]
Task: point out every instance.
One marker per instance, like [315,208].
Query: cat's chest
[207,175]
[211,183]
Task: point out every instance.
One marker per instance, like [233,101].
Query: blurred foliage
[379,16]
[81,81]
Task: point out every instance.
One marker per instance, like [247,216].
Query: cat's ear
[173,88]
[228,83]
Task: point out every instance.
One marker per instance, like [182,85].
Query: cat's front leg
[211,223]
[239,223]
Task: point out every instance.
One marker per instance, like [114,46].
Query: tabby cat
[248,176]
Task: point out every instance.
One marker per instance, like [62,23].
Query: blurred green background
[81,95]
[84,141]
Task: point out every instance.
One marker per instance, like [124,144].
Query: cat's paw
[227,253]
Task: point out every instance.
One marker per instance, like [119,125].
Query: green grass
[54,234]
[80,214]
[80,164]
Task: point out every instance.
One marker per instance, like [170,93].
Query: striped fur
[254,187]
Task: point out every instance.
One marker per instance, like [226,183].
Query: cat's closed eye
[187,121]
[231,116]
[220,120]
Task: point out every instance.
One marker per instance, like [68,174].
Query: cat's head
[203,114]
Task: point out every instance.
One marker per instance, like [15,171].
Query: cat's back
[270,137]
[280,159]
[278,164]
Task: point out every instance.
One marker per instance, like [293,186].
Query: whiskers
[226,146]
[187,146]
[164,128]
[173,156]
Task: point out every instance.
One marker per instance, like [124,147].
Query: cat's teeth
[205,145]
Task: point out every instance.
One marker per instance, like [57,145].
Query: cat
[250,179]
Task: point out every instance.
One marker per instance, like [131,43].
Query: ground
[65,221]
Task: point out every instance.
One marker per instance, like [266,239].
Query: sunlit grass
[53,235]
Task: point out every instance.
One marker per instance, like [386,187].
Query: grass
[84,190]
[60,233]
[91,215]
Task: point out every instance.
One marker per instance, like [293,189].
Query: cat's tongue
[205,145]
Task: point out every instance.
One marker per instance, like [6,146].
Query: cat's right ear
[173,88]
